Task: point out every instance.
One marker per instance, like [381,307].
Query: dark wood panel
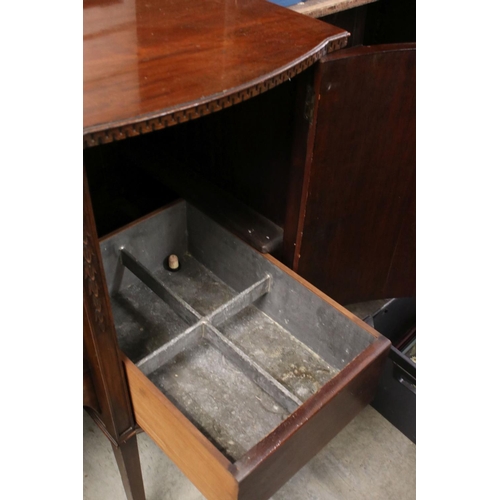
[120,193]
[401,277]
[105,388]
[306,111]
[89,395]
[153,63]
[101,346]
[245,150]
[102,361]
[362,175]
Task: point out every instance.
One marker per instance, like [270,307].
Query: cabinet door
[358,237]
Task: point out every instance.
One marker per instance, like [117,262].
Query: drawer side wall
[150,240]
[280,455]
[195,456]
[312,320]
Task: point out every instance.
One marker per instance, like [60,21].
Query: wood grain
[100,343]
[149,64]
[89,395]
[105,390]
[403,267]
[244,149]
[186,446]
[362,178]
[129,465]
[306,110]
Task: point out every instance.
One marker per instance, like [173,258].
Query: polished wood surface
[149,64]
[100,342]
[245,150]
[358,235]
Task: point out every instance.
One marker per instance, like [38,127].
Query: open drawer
[238,369]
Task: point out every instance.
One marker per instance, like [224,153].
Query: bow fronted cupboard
[225,135]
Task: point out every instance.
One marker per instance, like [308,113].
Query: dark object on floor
[396,395]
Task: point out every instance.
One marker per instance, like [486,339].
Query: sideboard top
[149,64]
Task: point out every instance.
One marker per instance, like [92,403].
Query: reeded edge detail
[152,123]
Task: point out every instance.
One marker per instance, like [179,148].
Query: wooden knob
[173,262]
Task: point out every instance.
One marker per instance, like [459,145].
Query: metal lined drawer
[251,365]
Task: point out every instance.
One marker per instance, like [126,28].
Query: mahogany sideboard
[243,105]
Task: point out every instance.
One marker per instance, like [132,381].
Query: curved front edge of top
[150,64]
[140,125]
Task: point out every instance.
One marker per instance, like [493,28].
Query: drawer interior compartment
[238,343]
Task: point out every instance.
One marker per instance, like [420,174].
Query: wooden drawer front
[202,463]
[238,369]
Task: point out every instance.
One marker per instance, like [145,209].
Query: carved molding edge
[89,275]
[196,111]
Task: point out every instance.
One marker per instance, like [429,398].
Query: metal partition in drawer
[238,369]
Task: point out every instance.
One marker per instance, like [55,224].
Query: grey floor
[369,460]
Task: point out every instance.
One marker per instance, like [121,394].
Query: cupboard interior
[245,150]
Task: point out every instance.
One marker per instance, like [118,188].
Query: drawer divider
[239,302]
[168,351]
[180,306]
[252,370]
[205,326]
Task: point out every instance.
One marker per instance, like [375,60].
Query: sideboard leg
[127,458]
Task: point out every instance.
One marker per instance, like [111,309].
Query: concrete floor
[369,459]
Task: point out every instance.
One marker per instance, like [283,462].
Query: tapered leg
[127,458]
